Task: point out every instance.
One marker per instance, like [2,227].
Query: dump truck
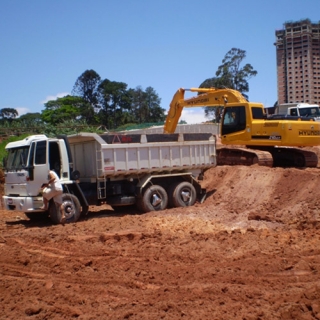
[151,171]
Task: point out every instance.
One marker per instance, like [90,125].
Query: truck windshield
[310,112]
[17,158]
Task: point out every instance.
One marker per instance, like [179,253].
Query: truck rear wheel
[155,198]
[182,194]
[71,207]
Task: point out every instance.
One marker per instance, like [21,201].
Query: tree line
[95,101]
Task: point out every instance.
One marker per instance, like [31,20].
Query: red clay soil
[250,251]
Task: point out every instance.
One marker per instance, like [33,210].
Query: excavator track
[311,158]
[293,157]
[243,156]
[267,156]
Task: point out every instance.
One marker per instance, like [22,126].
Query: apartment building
[298,62]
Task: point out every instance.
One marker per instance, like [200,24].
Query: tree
[155,112]
[61,109]
[210,83]
[231,75]
[8,114]
[86,87]
[115,101]
[146,105]
[29,119]
[139,105]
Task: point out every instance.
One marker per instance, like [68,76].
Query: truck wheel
[71,207]
[182,195]
[155,198]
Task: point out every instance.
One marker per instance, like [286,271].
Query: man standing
[53,190]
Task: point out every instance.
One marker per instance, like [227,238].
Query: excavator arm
[209,97]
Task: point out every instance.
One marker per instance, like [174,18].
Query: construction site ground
[250,251]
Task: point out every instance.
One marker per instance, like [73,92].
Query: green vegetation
[230,75]
[94,103]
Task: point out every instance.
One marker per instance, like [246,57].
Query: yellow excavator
[252,136]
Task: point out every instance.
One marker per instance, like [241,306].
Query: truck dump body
[113,155]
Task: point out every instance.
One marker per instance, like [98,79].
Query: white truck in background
[299,109]
[153,171]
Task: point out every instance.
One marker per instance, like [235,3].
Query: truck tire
[182,194]
[154,198]
[71,207]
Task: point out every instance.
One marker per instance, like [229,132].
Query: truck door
[38,167]
[54,157]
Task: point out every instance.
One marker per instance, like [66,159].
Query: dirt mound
[250,251]
[277,194]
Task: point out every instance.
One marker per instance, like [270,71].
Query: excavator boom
[207,97]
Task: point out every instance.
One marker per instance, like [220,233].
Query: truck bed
[115,155]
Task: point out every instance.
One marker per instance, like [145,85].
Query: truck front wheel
[71,207]
[155,198]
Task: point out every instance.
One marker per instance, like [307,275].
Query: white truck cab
[300,110]
[26,169]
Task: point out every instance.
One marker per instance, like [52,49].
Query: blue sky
[166,44]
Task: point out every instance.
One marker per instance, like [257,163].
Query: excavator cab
[233,120]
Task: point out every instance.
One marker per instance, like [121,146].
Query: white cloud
[192,116]
[55,97]
[22,110]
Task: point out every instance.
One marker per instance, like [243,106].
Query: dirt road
[250,251]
